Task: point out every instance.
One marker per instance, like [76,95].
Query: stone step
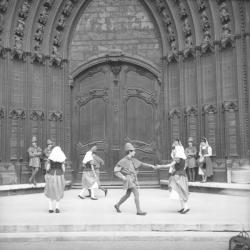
[115,236]
[147,227]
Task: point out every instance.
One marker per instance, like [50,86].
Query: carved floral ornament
[209,109]
[190,111]
[55,116]
[17,114]
[230,106]
[175,113]
[37,115]
[95,93]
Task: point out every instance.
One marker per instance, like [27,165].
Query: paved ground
[206,209]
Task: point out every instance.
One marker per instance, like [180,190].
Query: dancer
[205,163]
[178,182]
[54,179]
[126,169]
[89,177]
[35,153]
[191,152]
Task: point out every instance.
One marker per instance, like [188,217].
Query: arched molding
[117,58]
[79,10]
[216,19]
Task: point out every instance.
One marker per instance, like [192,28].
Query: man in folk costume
[54,179]
[178,182]
[126,169]
[89,177]
[35,153]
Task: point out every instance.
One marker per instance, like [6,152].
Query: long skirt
[206,168]
[88,179]
[179,184]
[54,186]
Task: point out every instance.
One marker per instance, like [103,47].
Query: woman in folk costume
[191,152]
[178,182]
[47,151]
[89,177]
[54,179]
[127,169]
[205,163]
[35,153]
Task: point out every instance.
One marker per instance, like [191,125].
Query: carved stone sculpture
[204,21]
[183,10]
[24,10]
[57,39]
[171,34]
[43,18]
[68,8]
[201,5]
[55,58]
[165,18]
[49,3]
[3,5]
[187,28]
[224,15]
[173,54]
[20,28]
[39,33]
[188,47]
[160,5]
[61,22]
[227,38]
[37,56]
[206,43]
[17,51]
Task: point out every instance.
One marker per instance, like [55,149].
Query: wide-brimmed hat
[129,147]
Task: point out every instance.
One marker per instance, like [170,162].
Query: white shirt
[88,157]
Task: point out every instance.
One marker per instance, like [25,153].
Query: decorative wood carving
[149,98]
[94,93]
[37,115]
[55,116]
[17,114]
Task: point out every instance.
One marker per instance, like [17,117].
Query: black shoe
[117,209]
[180,211]
[93,198]
[57,211]
[106,192]
[88,196]
[185,211]
[51,211]
[141,213]
[80,197]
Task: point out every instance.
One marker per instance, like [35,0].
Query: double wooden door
[112,105]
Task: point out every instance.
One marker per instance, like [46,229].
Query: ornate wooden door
[111,105]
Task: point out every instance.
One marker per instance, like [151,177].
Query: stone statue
[37,56]
[20,27]
[183,10]
[24,10]
[171,34]
[165,18]
[187,28]
[201,4]
[206,43]
[49,3]
[55,58]
[68,8]
[188,47]
[17,51]
[61,22]
[3,5]
[39,33]
[173,54]
[204,21]
[43,18]
[57,39]
[160,5]
[227,37]
[224,15]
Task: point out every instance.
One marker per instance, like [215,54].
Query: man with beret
[126,169]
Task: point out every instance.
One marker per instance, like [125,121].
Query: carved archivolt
[95,93]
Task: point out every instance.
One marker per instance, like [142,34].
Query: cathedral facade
[105,72]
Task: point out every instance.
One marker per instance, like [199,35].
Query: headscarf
[57,155]
[178,151]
